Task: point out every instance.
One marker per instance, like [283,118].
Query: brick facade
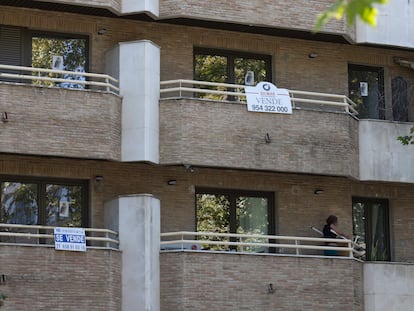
[60,122]
[299,15]
[226,135]
[39,278]
[297,207]
[58,133]
[292,68]
[227,282]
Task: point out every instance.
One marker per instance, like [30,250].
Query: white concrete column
[137,6]
[137,219]
[137,66]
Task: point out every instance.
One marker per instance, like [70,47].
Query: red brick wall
[39,278]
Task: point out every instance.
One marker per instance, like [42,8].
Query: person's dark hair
[332,219]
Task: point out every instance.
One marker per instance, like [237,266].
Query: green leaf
[363,9]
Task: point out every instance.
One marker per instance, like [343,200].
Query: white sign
[266,97]
[57,62]
[363,86]
[70,239]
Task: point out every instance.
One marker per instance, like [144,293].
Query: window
[366,90]
[23,47]
[371,225]
[230,67]
[60,52]
[399,89]
[43,202]
[231,211]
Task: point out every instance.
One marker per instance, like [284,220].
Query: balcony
[59,113]
[98,7]
[201,279]
[320,136]
[88,280]
[238,274]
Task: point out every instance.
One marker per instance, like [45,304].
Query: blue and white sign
[70,239]
[266,97]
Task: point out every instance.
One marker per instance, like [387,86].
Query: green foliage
[364,9]
[213,215]
[73,52]
[408,139]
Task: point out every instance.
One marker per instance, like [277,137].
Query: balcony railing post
[107,83]
[297,249]
[182,240]
[351,251]
[107,244]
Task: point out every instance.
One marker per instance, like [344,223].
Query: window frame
[41,193]
[233,194]
[231,55]
[381,84]
[56,35]
[368,223]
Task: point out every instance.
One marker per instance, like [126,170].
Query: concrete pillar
[136,65]
[137,219]
[151,7]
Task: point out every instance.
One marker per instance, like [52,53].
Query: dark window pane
[371,225]
[366,90]
[399,87]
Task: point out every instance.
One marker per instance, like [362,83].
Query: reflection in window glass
[43,203]
[366,90]
[229,67]
[19,203]
[371,225]
[252,215]
[242,65]
[69,54]
[63,205]
[240,212]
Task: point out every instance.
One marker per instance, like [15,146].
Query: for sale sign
[70,239]
[266,97]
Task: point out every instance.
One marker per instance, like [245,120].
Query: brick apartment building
[151,143]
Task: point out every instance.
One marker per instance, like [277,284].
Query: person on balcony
[331,231]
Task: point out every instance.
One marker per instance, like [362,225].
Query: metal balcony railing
[58,78]
[235,92]
[43,236]
[256,243]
